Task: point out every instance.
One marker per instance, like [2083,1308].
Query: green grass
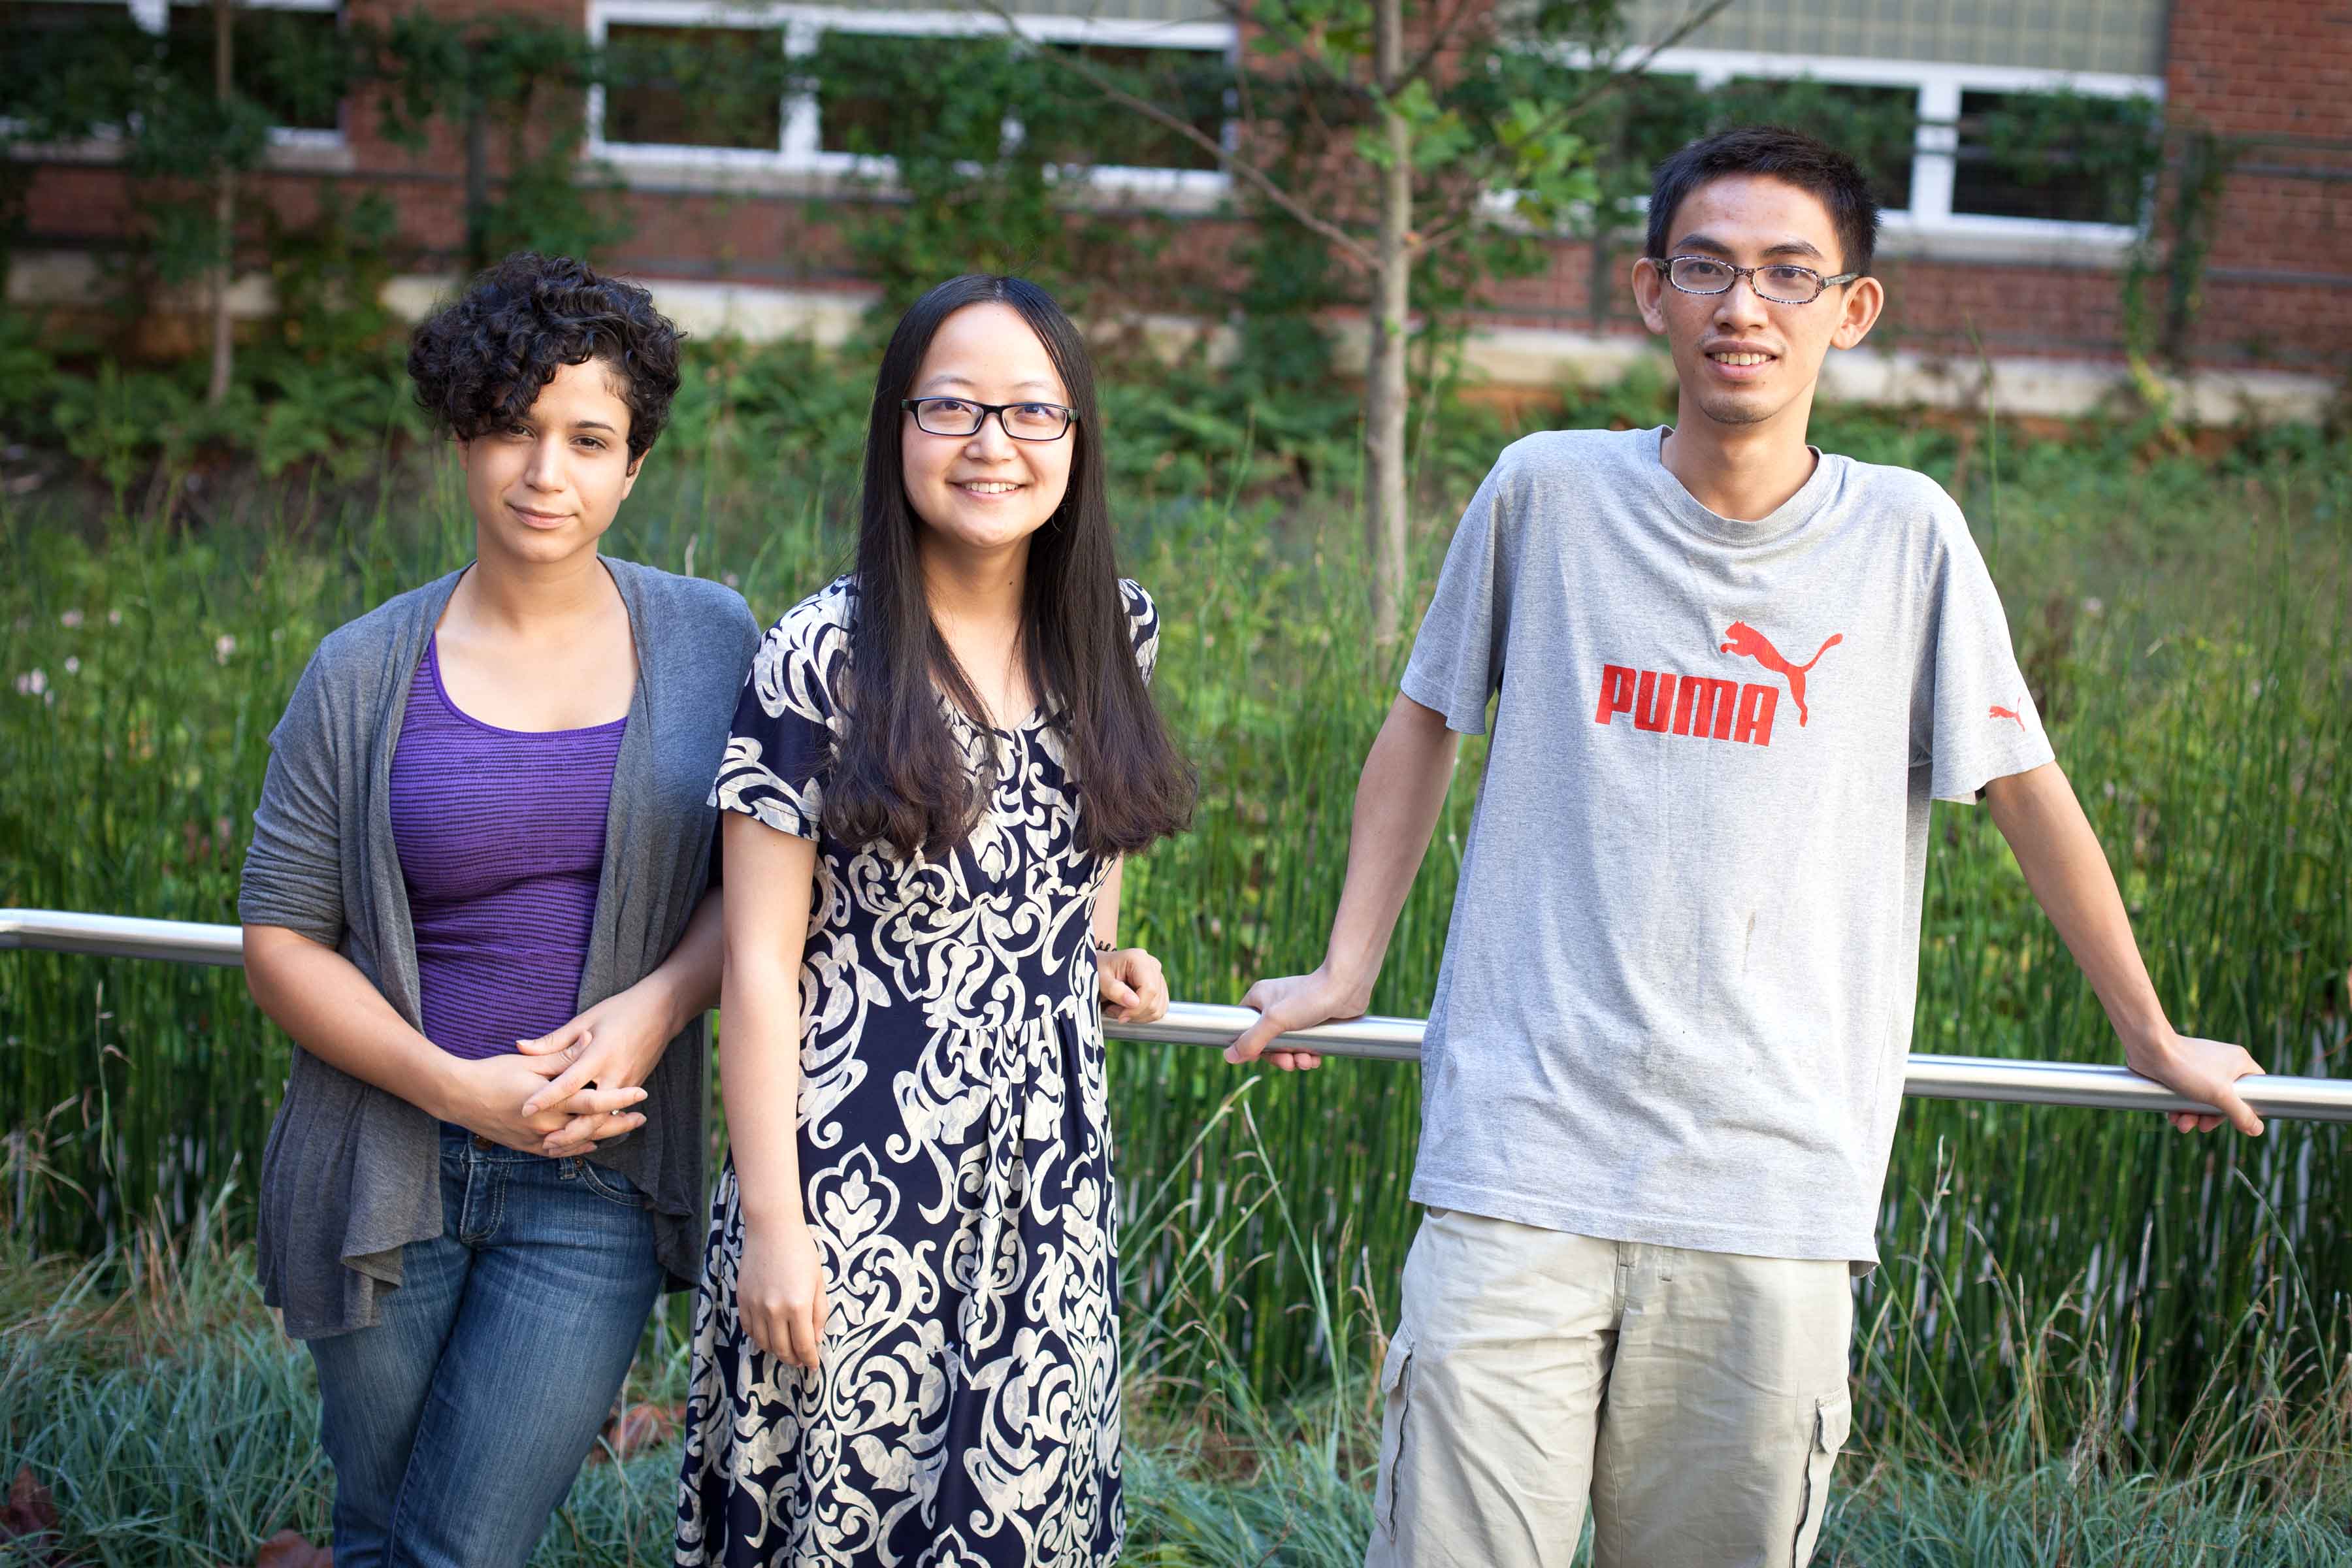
[2183,623]
[173,1424]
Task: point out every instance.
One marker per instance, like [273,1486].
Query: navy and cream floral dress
[955,1156]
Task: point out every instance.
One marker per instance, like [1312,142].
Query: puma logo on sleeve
[2009,713]
[1749,642]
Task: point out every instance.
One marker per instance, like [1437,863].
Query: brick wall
[2271,79]
[2264,68]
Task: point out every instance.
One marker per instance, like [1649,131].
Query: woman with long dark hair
[906,1348]
[478,898]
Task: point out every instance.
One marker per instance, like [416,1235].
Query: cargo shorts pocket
[1396,1391]
[1832,1421]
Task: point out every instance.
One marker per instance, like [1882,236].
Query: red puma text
[1704,707]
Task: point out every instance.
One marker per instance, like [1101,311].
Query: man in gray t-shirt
[1727,675]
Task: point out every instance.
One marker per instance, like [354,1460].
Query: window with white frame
[709,85]
[847,90]
[2083,159]
[1877,123]
[287,54]
[1961,166]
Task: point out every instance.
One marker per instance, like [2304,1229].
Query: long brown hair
[897,775]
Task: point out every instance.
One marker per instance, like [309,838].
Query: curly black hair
[481,361]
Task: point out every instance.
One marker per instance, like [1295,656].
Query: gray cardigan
[351,1173]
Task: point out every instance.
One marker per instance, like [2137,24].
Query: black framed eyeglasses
[962,416]
[1782,282]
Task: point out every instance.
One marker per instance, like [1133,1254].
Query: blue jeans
[457,1423]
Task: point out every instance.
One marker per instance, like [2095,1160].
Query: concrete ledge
[1533,357]
[73,279]
[2067,388]
[290,152]
[1528,358]
[1182,193]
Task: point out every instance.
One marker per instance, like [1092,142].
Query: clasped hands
[566,1091]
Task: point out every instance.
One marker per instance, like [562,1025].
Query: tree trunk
[1385,391]
[224,217]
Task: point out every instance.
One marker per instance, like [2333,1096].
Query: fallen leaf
[29,1512]
[637,1428]
[289,1550]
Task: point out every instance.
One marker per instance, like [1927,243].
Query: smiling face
[986,492]
[547,487]
[1743,360]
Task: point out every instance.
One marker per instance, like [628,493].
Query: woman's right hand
[485,1096]
[780,1291]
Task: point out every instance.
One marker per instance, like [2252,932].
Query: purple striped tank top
[502,842]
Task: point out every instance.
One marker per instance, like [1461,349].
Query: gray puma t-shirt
[1678,985]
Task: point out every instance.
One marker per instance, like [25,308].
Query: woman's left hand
[614,1045]
[1134,991]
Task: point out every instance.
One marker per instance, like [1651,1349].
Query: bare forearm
[760,1084]
[772,876]
[687,981]
[1398,800]
[318,996]
[2068,872]
[1106,921]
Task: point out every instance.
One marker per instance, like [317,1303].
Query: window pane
[25,29]
[1876,126]
[66,67]
[65,70]
[293,63]
[879,95]
[1075,123]
[1640,127]
[695,87]
[2062,156]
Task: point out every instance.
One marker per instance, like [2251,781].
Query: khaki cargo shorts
[1698,1398]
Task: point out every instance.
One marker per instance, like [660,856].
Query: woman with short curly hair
[480,899]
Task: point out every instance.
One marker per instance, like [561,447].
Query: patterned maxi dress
[955,1162]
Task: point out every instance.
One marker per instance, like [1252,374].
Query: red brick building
[1987,278]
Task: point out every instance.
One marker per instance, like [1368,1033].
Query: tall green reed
[149,1391]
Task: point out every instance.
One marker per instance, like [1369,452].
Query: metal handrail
[1380,1039]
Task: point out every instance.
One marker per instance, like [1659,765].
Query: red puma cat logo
[2010,714]
[1749,643]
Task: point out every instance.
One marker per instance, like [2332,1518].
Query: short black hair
[480,361]
[1812,166]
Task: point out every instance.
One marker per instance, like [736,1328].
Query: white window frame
[799,151]
[155,16]
[279,135]
[1933,157]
